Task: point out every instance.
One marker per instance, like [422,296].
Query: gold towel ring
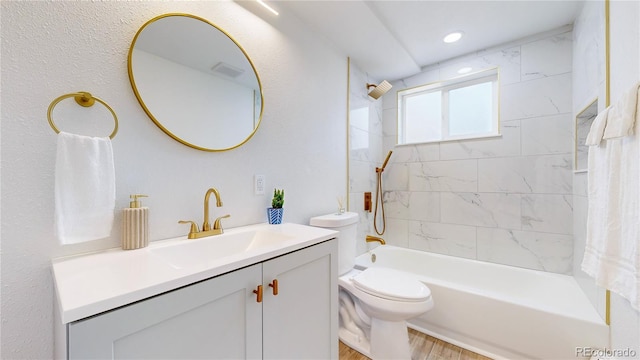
[85,99]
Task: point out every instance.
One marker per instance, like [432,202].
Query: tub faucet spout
[371,238]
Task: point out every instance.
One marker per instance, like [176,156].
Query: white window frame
[490,75]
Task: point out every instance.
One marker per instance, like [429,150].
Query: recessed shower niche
[584,119]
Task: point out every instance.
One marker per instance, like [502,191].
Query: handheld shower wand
[384,164]
[379,171]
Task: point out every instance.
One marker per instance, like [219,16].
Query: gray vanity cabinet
[301,322]
[212,319]
[220,318]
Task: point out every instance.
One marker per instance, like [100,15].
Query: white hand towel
[597,128]
[612,251]
[84,188]
[622,115]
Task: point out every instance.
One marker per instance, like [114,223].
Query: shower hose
[379,171]
[379,196]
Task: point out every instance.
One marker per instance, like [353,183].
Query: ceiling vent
[227,70]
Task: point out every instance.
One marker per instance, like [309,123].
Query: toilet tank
[347,226]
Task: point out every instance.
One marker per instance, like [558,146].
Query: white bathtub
[499,311]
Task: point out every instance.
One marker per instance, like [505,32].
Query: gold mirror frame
[154,117]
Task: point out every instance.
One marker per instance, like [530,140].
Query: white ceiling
[395,39]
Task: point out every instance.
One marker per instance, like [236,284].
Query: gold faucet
[194,232]
[371,238]
[205,224]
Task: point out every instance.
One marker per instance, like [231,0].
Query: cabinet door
[301,321]
[217,318]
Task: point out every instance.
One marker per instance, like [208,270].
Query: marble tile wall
[507,199]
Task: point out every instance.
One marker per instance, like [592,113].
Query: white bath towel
[596,132]
[84,188]
[622,115]
[612,252]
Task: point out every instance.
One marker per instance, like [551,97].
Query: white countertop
[92,283]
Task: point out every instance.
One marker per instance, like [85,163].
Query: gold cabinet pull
[258,292]
[274,285]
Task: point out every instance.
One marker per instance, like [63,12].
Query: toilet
[375,303]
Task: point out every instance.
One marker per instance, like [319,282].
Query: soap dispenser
[135,224]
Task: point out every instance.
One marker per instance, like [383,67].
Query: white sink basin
[206,250]
[93,283]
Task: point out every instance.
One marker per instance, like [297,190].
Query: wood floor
[424,347]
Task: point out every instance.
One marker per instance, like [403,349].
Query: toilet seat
[391,284]
[385,308]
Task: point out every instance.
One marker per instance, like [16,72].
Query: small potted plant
[274,213]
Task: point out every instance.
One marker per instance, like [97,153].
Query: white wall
[53,48]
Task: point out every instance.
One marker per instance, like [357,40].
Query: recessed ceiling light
[453,37]
[267,7]
[464,70]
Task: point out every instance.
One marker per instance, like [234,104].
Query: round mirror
[195,82]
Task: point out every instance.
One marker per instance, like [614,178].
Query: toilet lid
[391,284]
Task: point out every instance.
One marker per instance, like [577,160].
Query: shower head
[379,90]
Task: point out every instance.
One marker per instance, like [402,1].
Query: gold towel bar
[85,99]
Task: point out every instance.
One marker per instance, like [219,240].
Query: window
[461,108]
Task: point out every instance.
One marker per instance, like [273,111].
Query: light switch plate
[259,185]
